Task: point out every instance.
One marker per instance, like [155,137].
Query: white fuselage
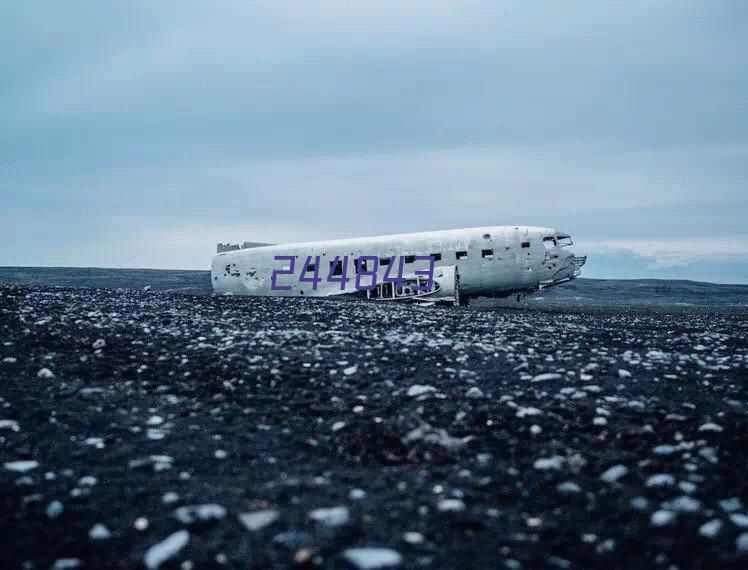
[492,261]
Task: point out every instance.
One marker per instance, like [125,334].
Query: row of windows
[383,261]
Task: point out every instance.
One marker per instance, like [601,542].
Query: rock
[710,529]
[554,463]
[54,509]
[474,393]
[99,532]
[209,512]
[739,520]
[169,498]
[99,343]
[370,558]
[292,540]
[413,537]
[257,520]
[568,488]
[166,549]
[9,424]
[623,373]
[683,505]
[450,505]
[45,374]
[731,505]
[710,427]
[614,473]
[21,466]
[663,518]
[66,564]
[660,480]
[333,516]
[546,377]
[419,390]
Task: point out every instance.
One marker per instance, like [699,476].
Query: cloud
[293,120]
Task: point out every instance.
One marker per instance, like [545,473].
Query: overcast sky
[141,133]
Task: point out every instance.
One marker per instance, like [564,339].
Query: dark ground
[276,408]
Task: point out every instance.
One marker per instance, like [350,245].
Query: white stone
[546,376]
[369,558]
[257,520]
[451,505]
[207,512]
[99,532]
[419,389]
[9,424]
[614,473]
[568,488]
[660,480]
[21,466]
[623,373]
[710,529]
[662,518]
[166,549]
[45,374]
[739,520]
[333,516]
[474,392]
[710,427]
[99,343]
[554,463]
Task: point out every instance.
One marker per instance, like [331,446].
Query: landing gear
[463,301]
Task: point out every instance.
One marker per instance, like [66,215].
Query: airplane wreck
[448,266]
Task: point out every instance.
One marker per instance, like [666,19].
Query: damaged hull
[495,261]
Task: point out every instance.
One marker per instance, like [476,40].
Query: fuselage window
[436,256]
[410,258]
[525,244]
[460,255]
[336,267]
[487,253]
[310,267]
[360,265]
[384,261]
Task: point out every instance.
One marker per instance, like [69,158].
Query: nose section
[560,265]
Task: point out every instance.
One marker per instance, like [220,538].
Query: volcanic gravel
[167,430]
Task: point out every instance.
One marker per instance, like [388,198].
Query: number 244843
[365,269]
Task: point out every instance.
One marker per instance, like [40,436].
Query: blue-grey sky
[140,133]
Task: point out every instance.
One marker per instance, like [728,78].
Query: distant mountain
[622,263]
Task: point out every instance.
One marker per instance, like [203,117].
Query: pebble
[474,393]
[568,488]
[9,424]
[710,427]
[21,466]
[45,374]
[54,509]
[208,512]
[333,516]
[99,343]
[683,504]
[710,529]
[554,463]
[370,558]
[166,549]
[662,518]
[660,480]
[546,377]
[99,532]
[419,390]
[739,520]
[450,505]
[614,473]
[257,520]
